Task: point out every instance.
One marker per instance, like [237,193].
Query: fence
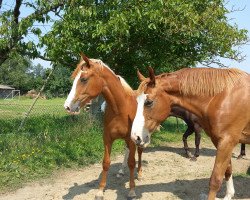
[14,110]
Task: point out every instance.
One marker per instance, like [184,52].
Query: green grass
[170,132]
[50,139]
[47,143]
[15,108]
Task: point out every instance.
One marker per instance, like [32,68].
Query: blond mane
[82,63]
[126,86]
[208,81]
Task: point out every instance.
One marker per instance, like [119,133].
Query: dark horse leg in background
[242,151]
[192,128]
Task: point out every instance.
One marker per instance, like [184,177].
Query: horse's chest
[118,128]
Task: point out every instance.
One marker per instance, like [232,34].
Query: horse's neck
[113,92]
[194,104]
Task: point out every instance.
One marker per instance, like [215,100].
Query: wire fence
[14,111]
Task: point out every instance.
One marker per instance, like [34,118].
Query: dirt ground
[167,174]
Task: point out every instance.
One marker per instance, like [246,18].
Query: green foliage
[19,73]
[128,34]
[125,34]
[59,83]
[14,27]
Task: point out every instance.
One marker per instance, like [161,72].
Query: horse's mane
[124,84]
[208,81]
[201,81]
[82,62]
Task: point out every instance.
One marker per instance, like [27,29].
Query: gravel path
[167,174]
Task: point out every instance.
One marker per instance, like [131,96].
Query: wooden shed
[6,91]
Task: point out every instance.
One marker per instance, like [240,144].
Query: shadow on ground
[184,189]
[180,150]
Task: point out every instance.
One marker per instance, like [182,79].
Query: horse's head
[87,84]
[152,109]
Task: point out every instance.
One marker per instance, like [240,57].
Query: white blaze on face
[138,128]
[69,104]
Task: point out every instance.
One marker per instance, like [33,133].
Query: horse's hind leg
[242,151]
[139,170]
[197,139]
[187,133]
[221,167]
[124,163]
[105,168]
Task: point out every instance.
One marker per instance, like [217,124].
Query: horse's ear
[140,76]
[151,76]
[85,58]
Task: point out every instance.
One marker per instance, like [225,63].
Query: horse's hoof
[98,197]
[240,157]
[194,159]
[189,154]
[131,198]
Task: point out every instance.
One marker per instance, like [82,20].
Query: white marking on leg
[230,189]
[132,193]
[124,164]
[99,193]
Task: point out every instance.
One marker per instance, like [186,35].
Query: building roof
[6,87]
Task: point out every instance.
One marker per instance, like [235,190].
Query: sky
[241,18]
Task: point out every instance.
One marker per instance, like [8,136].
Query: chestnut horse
[218,97]
[91,78]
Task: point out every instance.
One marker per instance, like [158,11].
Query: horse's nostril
[67,108]
[138,140]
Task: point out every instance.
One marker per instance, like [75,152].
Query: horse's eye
[148,103]
[84,80]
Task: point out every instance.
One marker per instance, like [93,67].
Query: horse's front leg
[105,168]
[131,165]
[229,183]
[222,167]
[139,169]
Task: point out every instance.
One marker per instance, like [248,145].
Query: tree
[37,72]
[13,28]
[16,72]
[127,34]
[59,83]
